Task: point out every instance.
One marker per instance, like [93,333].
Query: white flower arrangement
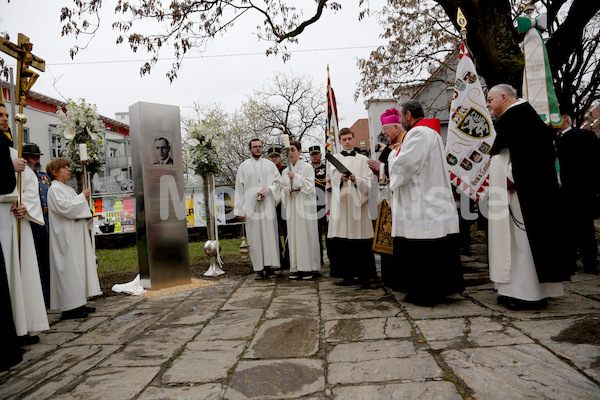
[81,124]
[205,145]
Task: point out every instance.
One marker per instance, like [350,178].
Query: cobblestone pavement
[282,339]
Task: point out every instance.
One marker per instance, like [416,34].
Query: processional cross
[26,79]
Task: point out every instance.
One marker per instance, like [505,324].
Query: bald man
[526,252]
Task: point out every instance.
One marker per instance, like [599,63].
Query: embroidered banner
[471,133]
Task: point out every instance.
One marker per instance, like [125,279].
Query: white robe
[511,263]
[301,216]
[261,217]
[29,310]
[349,216]
[423,206]
[73,275]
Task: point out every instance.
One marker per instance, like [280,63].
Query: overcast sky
[231,66]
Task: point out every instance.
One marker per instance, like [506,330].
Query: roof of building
[45,103]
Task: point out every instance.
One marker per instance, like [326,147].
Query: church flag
[538,88]
[332,130]
[471,133]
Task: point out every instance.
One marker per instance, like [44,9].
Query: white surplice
[301,217]
[423,206]
[261,217]
[349,216]
[511,262]
[73,274]
[29,310]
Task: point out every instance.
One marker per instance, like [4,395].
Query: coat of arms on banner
[474,124]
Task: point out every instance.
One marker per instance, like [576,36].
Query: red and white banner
[332,133]
[471,133]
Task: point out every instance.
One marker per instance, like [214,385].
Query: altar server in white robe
[299,201]
[350,231]
[73,275]
[426,262]
[29,310]
[257,193]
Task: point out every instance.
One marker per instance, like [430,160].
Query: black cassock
[531,146]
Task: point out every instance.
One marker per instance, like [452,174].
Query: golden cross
[25,59]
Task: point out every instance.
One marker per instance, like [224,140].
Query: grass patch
[111,261]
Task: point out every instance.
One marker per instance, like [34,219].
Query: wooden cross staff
[26,79]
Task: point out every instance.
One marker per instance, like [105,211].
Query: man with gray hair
[426,258]
[526,252]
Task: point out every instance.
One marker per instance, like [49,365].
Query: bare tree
[291,104]
[421,33]
[424,33]
[187,24]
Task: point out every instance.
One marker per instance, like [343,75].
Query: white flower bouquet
[81,124]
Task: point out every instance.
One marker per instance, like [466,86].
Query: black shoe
[269,273]
[345,283]
[294,275]
[260,275]
[76,313]
[307,276]
[26,340]
[590,270]
[89,309]
[521,305]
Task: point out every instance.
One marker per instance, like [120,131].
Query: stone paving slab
[204,361]
[467,332]
[373,350]
[116,384]
[193,311]
[78,325]
[237,324]
[364,309]
[306,305]
[57,371]
[114,305]
[284,338]
[343,330]
[209,391]
[416,368]
[277,379]
[153,347]
[120,329]
[584,356]
[250,298]
[524,371]
[399,391]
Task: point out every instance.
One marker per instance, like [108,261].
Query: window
[56,146]
[25,135]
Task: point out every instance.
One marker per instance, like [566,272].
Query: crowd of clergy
[527,261]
